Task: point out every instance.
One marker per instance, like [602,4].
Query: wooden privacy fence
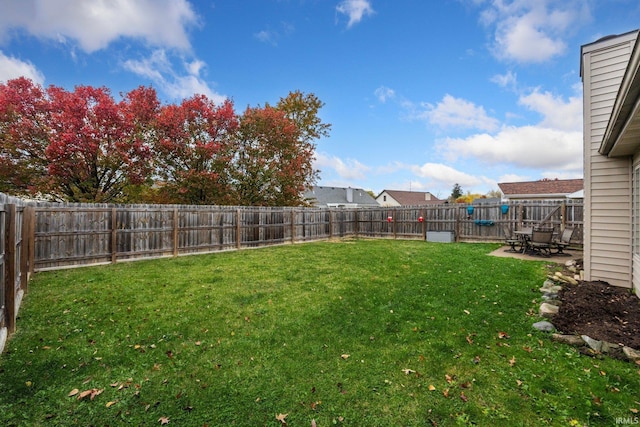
[42,236]
[74,235]
[16,262]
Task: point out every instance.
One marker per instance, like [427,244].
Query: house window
[384,198]
[635,182]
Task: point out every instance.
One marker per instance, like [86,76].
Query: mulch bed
[600,311]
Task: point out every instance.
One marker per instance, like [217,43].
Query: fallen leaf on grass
[445,392]
[463,397]
[469,340]
[512,361]
[467,311]
[163,420]
[92,393]
[313,423]
[527,349]
[345,356]
[408,371]
[634,410]
[281,418]
[432,387]
[73,392]
[449,378]
[110,404]
[503,335]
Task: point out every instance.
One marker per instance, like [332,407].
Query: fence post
[330,223]
[393,223]
[293,225]
[238,229]
[31,253]
[424,224]
[176,224]
[10,268]
[114,231]
[563,216]
[356,222]
[24,248]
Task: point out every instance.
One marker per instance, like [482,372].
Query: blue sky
[421,94]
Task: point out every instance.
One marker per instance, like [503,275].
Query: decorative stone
[593,344]
[631,354]
[548,310]
[550,289]
[544,326]
[568,339]
[549,297]
[608,347]
[548,283]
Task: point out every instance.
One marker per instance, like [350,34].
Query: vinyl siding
[607,233]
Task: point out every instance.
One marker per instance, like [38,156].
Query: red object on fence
[420,219]
[389,219]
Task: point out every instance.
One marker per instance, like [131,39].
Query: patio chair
[564,240]
[541,241]
[510,239]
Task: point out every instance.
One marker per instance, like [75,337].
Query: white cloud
[508,80]
[443,175]
[384,93]
[533,30]
[93,25]
[12,68]
[526,147]
[159,69]
[349,169]
[557,113]
[456,112]
[355,10]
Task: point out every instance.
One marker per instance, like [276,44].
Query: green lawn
[353,333]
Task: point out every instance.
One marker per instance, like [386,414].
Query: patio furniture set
[541,241]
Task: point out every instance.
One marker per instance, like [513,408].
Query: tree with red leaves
[24,136]
[271,167]
[194,149]
[98,147]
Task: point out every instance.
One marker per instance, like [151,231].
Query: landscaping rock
[631,354]
[568,339]
[544,326]
[551,289]
[608,347]
[593,344]
[548,310]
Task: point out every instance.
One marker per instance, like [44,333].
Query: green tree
[456,192]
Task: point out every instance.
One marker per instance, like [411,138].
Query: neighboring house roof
[545,188]
[412,198]
[339,196]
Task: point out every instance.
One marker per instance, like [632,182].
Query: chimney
[350,195]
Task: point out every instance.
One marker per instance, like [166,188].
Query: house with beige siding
[611,96]
[407,198]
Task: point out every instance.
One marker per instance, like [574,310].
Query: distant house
[407,198]
[545,189]
[610,71]
[339,197]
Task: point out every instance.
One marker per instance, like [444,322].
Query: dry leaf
[467,311]
[503,335]
[449,378]
[512,361]
[634,410]
[345,356]
[476,360]
[110,404]
[519,383]
[73,392]
[313,423]
[469,340]
[163,420]
[431,387]
[463,397]
[445,392]
[281,418]
[408,371]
